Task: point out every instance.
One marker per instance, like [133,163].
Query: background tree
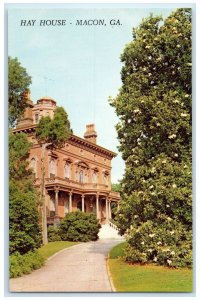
[154,107]
[51,133]
[116,187]
[24,229]
[18,83]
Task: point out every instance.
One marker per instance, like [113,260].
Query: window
[67,170]
[86,177]
[81,176]
[52,168]
[36,118]
[104,178]
[94,177]
[79,205]
[33,165]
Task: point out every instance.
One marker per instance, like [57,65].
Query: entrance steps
[109,231]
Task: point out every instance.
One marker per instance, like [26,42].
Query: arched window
[81,178]
[36,118]
[33,166]
[86,177]
[67,170]
[52,168]
[94,177]
[104,178]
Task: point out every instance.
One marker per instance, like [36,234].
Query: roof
[73,139]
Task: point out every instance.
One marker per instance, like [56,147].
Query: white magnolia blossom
[150,250]
[136,111]
[142,243]
[187,95]
[151,187]
[176,101]
[167,205]
[172,136]
[158,124]
[159,243]
[165,250]
[174,186]
[176,154]
[172,232]
[183,115]
[152,234]
[152,193]
[136,216]
[178,46]
[169,261]
[164,161]
[155,259]
[172,253]
[147,47]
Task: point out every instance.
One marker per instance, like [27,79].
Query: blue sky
[78,66]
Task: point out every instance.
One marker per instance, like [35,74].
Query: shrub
[24,264]
[53,234]
[79,227]
[168,244]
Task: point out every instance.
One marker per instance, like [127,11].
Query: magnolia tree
[154,131]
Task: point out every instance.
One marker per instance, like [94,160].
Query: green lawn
[147,278]
[53,247]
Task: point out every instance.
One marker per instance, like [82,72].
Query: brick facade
[77,176]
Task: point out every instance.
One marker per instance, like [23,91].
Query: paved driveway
[81,268]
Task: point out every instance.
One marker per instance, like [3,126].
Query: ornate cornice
[73,140]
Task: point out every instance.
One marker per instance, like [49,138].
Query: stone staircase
[109,231]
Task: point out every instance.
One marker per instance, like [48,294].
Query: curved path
[80,268]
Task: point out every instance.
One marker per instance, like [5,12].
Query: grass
[53,247]
[146,278]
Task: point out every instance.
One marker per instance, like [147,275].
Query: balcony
[67,183]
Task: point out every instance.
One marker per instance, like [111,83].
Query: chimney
[90,134]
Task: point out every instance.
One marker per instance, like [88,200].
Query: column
[70,202]
[106,210]
[109,210]
[56,202]
[56,218]
[83,204]
[97,205]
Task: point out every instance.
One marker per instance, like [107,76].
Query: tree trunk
[43,199]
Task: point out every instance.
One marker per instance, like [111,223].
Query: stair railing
[112,225]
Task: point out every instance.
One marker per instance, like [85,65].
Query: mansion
[77,176]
